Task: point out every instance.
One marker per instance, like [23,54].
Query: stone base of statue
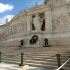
[33,45]
[47,46]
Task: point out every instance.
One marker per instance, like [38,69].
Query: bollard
[0,57]
[21,60]
[59,62]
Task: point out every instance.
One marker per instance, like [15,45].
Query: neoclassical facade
[49,20]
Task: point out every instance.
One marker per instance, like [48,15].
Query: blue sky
[8,7]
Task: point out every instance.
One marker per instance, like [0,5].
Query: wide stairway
[40,57]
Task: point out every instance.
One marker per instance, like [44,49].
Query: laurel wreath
[34,39]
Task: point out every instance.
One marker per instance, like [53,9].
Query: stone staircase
[37,56]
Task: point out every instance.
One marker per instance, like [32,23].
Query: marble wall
[57,25]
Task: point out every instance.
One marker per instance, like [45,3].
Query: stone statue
[6,20]
[45,1]
[37,21]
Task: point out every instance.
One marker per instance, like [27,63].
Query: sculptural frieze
[61,21]
[55,2]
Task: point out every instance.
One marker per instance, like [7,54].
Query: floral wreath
[34,39]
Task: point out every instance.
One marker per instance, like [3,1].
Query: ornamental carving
[61,21]
[55,2]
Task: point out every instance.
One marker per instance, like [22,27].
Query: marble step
[36,64]
[36,51]
[13,62]
[31,60]
[39,53]
[27,59]
[36,57]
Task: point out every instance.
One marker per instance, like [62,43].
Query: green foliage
[34,39]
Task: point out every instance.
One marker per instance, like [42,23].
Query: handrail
[63,64]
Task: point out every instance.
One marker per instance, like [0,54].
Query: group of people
[46,42]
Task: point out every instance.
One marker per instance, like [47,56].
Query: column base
[21,65]
[61,69]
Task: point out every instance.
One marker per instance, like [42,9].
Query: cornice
[38,7]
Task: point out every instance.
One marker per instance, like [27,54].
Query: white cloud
[5,7]
[40,2]
[33,3]
[30,4]
[3,20]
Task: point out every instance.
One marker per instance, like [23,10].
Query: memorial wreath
[34,39]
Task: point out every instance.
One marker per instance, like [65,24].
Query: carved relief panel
[55,2]
[61,21]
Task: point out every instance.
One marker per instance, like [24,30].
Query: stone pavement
[7,66]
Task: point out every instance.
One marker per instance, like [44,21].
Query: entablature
[39,8]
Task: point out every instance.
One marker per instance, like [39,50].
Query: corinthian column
[28,23]
[48,20]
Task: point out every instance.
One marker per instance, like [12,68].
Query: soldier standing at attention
[46,42]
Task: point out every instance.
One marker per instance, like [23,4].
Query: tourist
[46,42]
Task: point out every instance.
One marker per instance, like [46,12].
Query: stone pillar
[28,23]
[24,27]
[48,20]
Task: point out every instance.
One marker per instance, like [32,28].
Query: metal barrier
[59,61]
[7,56]
[21,60]
[22,54]
[39,59]
[31,58]
[0,57]
[63,64]
[13,56]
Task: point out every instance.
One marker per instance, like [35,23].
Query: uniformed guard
[46,42]
[22,42]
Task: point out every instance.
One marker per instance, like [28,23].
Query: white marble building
[49,20]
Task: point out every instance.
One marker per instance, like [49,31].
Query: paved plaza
[7,66]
